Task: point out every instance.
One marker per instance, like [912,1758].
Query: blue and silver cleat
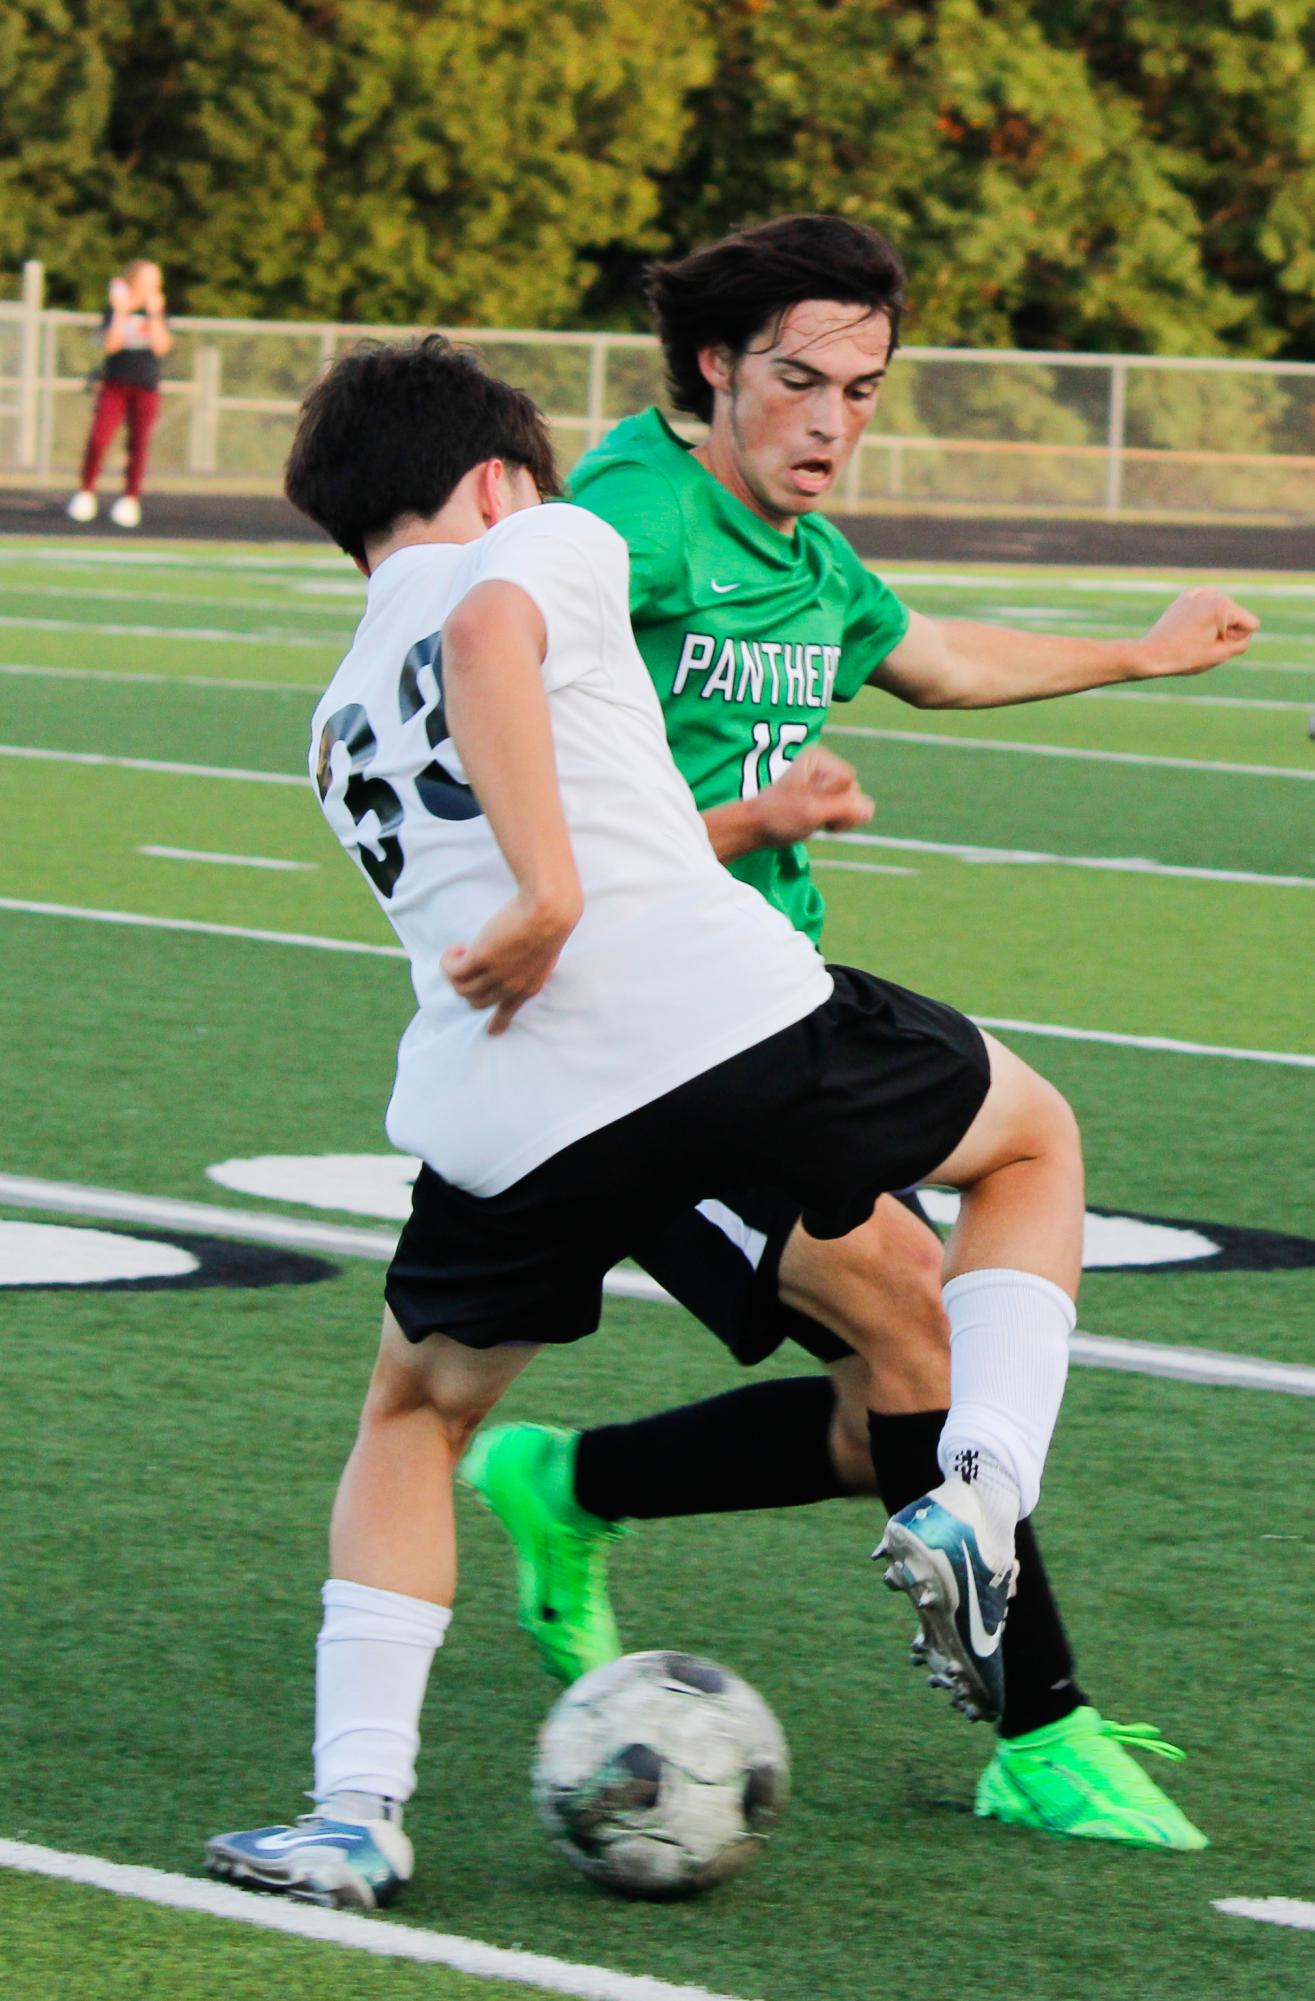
[351,1865]
[935,1555]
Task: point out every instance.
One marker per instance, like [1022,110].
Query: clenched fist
[817,793]
[1201,629]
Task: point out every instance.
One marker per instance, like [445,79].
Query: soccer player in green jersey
[753,615]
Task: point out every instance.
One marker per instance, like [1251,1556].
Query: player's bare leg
[392,1525]
[1019,1169]
[879,1290]
[386,1611]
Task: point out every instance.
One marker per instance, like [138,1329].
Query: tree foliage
[375,160]
[1059,173]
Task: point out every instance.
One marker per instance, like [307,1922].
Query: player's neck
[716,454]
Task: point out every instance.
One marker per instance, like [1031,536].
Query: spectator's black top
[134,362]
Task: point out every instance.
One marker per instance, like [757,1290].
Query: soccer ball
[660,1774]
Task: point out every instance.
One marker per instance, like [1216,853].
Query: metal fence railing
[1124,436]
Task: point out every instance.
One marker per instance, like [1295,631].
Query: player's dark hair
[729,293]
[392,429]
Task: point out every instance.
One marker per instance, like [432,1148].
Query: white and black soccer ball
[660,1774]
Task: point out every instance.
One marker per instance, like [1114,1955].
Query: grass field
[171,1449]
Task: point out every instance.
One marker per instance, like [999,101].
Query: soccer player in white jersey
[607,1022]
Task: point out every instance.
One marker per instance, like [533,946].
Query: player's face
[791,409]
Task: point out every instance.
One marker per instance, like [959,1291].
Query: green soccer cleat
[1074,1777]
[525,1473]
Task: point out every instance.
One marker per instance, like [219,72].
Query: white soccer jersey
[673,967]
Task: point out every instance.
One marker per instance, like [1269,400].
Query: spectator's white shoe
[83,506]
[126,511]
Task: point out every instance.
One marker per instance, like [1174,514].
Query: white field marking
[1117,864]
[224,861]
[966,851]
[1111,586]
[1191,701]
[167,1212]
[345,1928]
[1163,1042]
[1270,1911]
[175,680]
[191,633]
[53,1254]
[168,766]
[168,601]
[24,906]
[861,868]
[1150,1358]
[925,737]
[74,554]
[381,1185]
[30,908]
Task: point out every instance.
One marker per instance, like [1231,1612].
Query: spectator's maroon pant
[115,401]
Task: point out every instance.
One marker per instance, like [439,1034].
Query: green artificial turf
[170,1455]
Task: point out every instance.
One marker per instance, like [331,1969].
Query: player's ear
[489,491]
[716,366]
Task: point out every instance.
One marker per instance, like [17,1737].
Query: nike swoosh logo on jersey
[721,589]
[984,1643]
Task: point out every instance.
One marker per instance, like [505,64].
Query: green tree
[56,85]
[1226,90]
[1031,206]
[377,160]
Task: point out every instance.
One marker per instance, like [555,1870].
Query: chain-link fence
[958,429]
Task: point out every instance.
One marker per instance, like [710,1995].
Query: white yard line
[224,861]
[861,868]
[1207,765]
[1170,1044]
[1290,1911]
[1193,701]
[963,850]
[377,1936]
[24,906]
[1096,1351]
[71,554]
[166,601]
[168,766]
[1116,864]
[1109,586]
[133,679]
[191,633]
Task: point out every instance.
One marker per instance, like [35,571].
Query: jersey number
[441,794]
[788,739]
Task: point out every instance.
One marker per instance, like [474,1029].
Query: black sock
[1040,1683]
[767,1445]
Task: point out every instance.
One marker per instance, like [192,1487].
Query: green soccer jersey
[749,634]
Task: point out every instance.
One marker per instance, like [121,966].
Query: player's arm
[497,713]
[817,793]
[959,664]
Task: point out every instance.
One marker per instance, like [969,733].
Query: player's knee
[1035,1121]
[1059,1136]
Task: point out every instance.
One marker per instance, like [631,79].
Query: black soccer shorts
[721,1261]
[868,1093]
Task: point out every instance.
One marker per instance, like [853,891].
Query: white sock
[372,1663]
[1009,1338]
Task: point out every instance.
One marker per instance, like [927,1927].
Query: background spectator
[135,335]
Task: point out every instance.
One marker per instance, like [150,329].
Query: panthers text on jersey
[749,634]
